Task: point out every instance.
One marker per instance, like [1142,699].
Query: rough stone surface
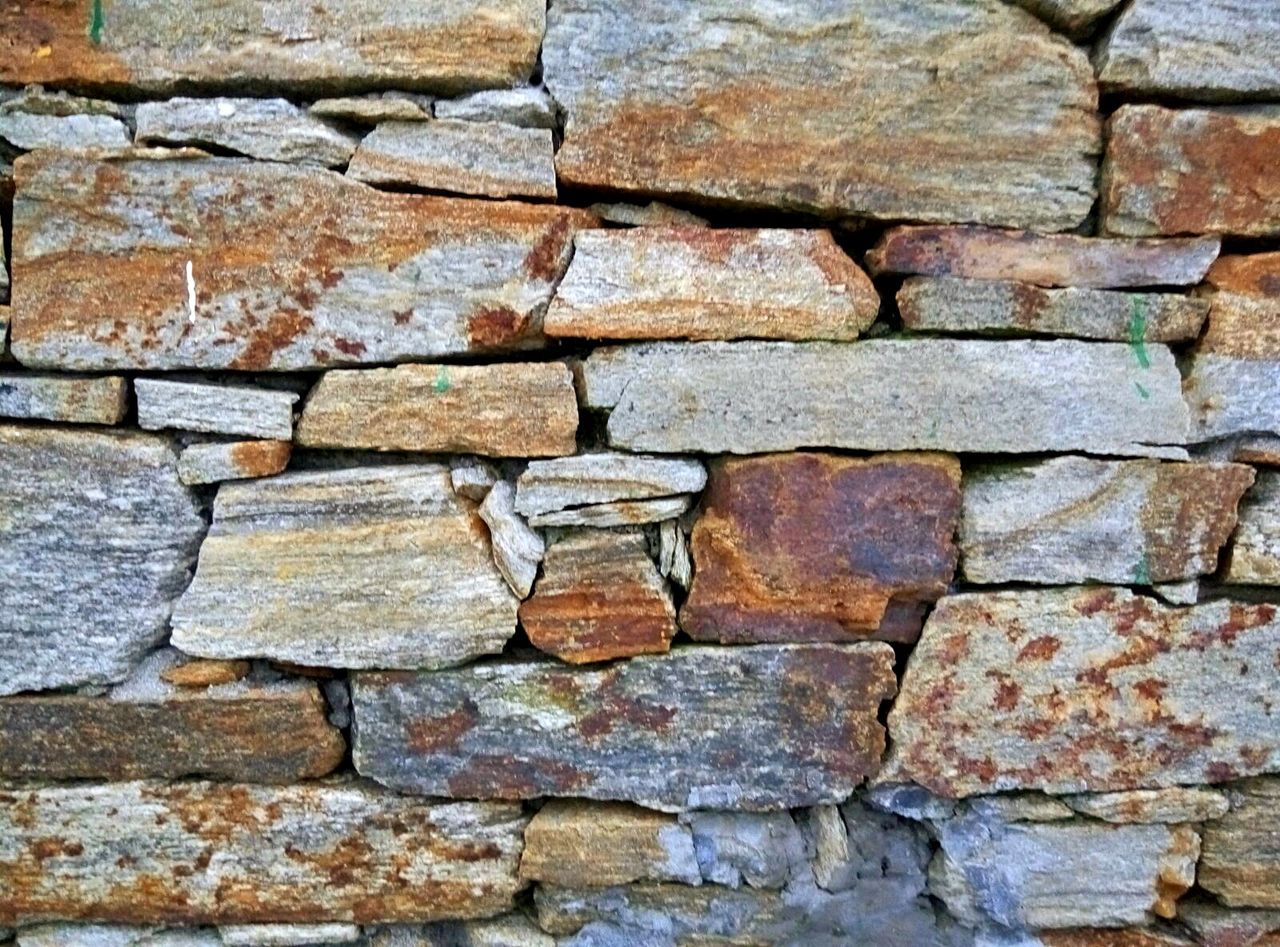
[348,44]
[27,132]
[1176,804]
[511,930]
[62,398]
[268,129]
[225,263]
[57,934]
[743,121]
[600,597]
[1241,864]
[1086,690]
[921,394]
[573,485]
[489,159]
[287,935]
[1216,926]
[232,460]
[372,109]
[472,477]
[1073,17]
[652,214]
[818,547]
[759,849]
[1191,171]
[991,307]
[1255,551]
[1075,519]
[1042,259]
[147,852]
[88,585]
[529,107]
[673,556]
[750,728]
[214,409]
[619,513]
[517,549]
[698,283]
[204,672]
[365,567]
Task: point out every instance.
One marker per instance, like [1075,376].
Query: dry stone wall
[640,473]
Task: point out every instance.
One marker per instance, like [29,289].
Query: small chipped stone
[370,109]
[653,214]
[217,461]
[214,408]
[472,477]
[1255,549]
[529,107]
[574,485]
[64,398]
[517,549]
[674,560]
[762,850]
[203,672]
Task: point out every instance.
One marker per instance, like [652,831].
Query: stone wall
[640,473]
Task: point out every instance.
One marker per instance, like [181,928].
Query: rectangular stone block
[74,400]
[1241,864]
[232,460]
[748,728]
[214,408]
[600,478]
[1255,550]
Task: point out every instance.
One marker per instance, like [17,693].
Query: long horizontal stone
[226,263]
[1144,806]
[200,853]
[1241,864]
[818,547]
[287,935]
[699,283]
[232,460]
[374,109]
[154,46]
[96,541]
[214,408]
[1255,550]
[503,410]
[76,400]
[1075,519]
[1191,171]
[603,477]
[749,728]
[893,394]
[1200,49]
[365,567]
[79,934]
[24,131]
[763,106]
[617,513]
[1075,690]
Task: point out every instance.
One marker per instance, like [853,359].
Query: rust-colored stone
[204,672]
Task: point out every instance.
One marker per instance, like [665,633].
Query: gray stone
[1255,550]
[511,930]
[855,843]
[27,132]
[287,935]
[762,850]
[673,556]
[529,107]
[1020,807]
[62,934]
[1073,17]
[1241,864]
[372,109]
[590,489]
[517,549]
[1217,926]
[214,408]
[1176,804]
[1177,593]
[618,513]
[37,100]
[232,460]
[472,477]
[75,400]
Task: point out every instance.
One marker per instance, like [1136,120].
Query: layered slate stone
[225,263]
[1241,864]
[232,460]
[529,107]
[1074,690]
[1191,171]
[889,394]
[764,106]
[374,109]
[1255,550]
[1144,806]
[154,46]
[213,408]
[96,541]
[818,547]
[502,410]
[77,400]
[600,597]
[1200,49]
[200,853]
[699,283]
[364,567]
[587,489]
[749,728]
[1076,519]
[517,549]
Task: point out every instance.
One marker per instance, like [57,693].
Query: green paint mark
[1142,571]
[1142,391]
[97,20]
[441,384]
[1138,330]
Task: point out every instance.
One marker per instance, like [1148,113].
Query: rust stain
[496,327]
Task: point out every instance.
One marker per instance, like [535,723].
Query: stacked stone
[394,552]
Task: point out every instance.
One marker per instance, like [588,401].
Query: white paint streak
[191,292]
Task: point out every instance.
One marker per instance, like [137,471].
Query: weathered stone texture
[529,107]
[750,728]
[74,400]
[1075,519]
[346,44]
[574,485]
[374,109]
[366,567]
[214,408]
[1217,926]
[96,540]
[1074,690]
[510,930]
[232,460]
[517,549]
[764,105]
[225,263]
[1073,17]
[287,935]
[27,132]
[73,934]
[1255,551]
[204,672]
[817,547]
[146,853]
[505,410]
[892,394]
[1241,864]
[699,283]
[1191,171]
[1173,805]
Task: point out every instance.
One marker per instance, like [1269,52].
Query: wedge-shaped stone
[1075,690]
[600,597]
[154,46]
[747,728]
[1191,171]
[1073,17]
[1255,552]
[891,394]
[817,547]
[214,409]
[1042,259]
[367,567]
[490,159]
[198,853]
[765,105]
[269,129]
[96,540]
[1200,49]
[226,263]
[70,399]
[993,307]
[517,549]
[1075,519]
[699,283]
[528,106]
[1175,804]
[232,460]
[1241,863]
[506,410]
[374,109]
[573,484]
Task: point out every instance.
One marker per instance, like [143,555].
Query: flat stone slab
[501,410]
[24,131]
[214,408]
[1145,806]
[1241,863]
[96,542]
[597,478]
[890,394]
[749,728]
[1076,519]
[1255,550]
[373,109]
[227,263]
[699,283]
[529,106]
[287,935]
[211,853]
[232,460]
[74,400]
[1086,690]
[364,567]
[763,106]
